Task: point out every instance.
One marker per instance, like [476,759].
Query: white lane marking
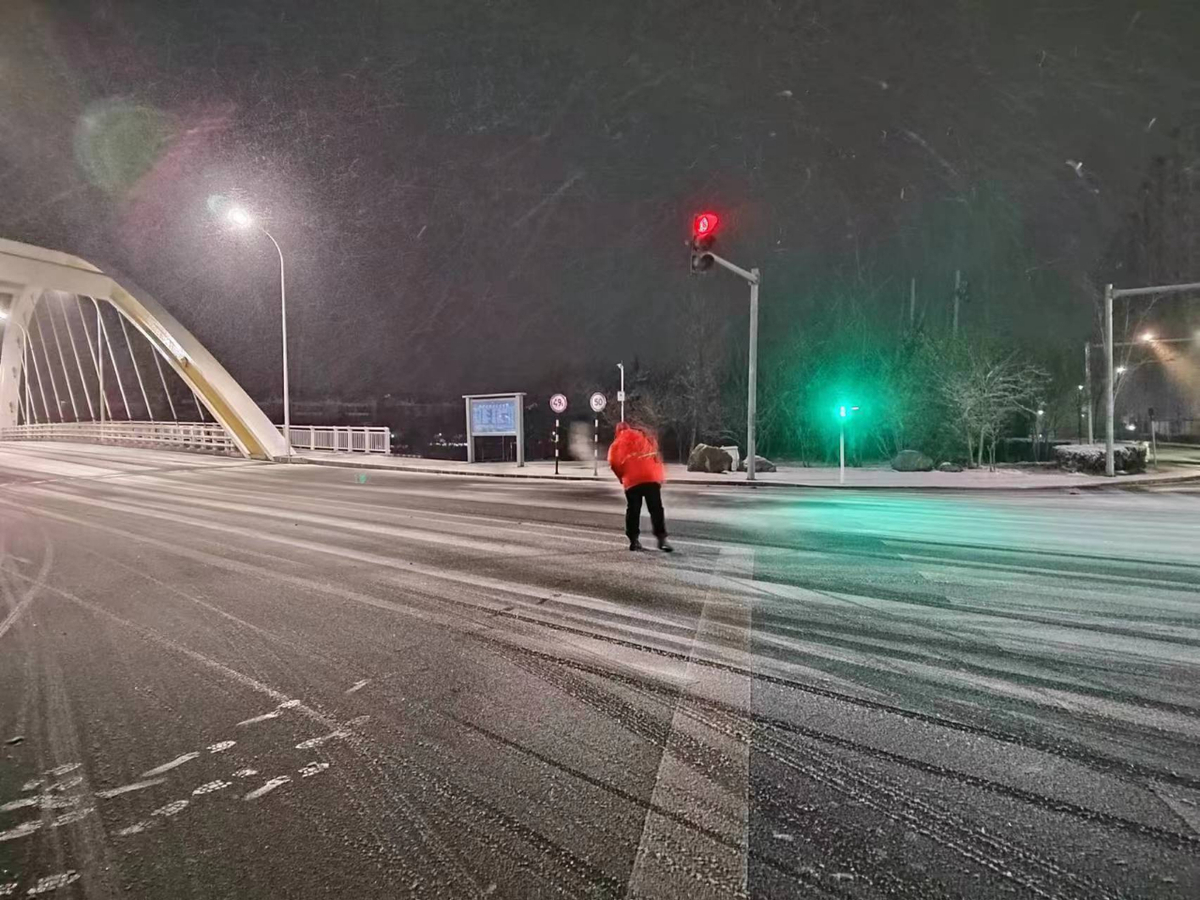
[135,828]
[74,815]
[313,768]
[220,746]
[325,738]
[51,802]
[278,781]
[245,773]
[273,714]
[49,883]
[66,785]
[33,784]
[358,720]
[210,787]
[45,801]
[128,788]
[63,769]
[20,804]
[725,623]
[173,808]
[167,767]
[25,828]
[357,686]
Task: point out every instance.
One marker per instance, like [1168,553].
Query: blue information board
[494,417]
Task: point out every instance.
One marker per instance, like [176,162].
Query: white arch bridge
[84,358]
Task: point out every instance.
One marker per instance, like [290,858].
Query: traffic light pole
[1111,293]
[752,276]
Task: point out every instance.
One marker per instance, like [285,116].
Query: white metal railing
[206,436]
[338,438]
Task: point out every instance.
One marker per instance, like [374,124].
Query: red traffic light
[704,225]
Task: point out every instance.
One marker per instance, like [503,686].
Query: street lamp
[240,217]
[1110,294]
[1079,406]
[1147,337]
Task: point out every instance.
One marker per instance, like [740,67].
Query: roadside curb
[362,463]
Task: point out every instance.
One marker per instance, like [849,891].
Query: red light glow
[704,224]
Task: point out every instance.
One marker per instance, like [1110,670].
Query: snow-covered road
[231,679]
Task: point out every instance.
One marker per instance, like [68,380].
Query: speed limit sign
[598,401]
[558,404]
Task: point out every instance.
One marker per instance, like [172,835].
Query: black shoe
[635,544]
[664,546]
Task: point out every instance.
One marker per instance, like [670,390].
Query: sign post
[495,415]
[597,402]
[1154,437]
[558,405]
[843,413]
[621,392]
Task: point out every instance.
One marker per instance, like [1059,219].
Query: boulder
[949,467]
[762,464]
[706,458]
[912,461]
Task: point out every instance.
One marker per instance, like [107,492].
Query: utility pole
[1109,467]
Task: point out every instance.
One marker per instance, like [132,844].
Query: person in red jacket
[635,460]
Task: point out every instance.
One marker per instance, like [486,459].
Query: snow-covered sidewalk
[1025,478]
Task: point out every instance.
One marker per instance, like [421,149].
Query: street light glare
[1147,337]
[240,217]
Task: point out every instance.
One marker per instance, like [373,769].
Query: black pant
[652,491]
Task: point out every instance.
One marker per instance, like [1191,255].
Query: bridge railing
[206,436]
[338,438]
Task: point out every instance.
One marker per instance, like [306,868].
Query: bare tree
[984,390]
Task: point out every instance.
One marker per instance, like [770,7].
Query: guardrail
[205,436]
[338,438]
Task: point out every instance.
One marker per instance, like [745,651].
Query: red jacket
[634,457]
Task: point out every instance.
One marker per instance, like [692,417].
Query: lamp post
[1079,407]
[241,218]
[1110,294]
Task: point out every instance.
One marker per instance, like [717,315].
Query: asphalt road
[226,679]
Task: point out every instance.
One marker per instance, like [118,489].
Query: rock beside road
[761,464]
[912,461]
[706,458]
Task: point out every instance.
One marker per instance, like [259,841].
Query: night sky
[495,195]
